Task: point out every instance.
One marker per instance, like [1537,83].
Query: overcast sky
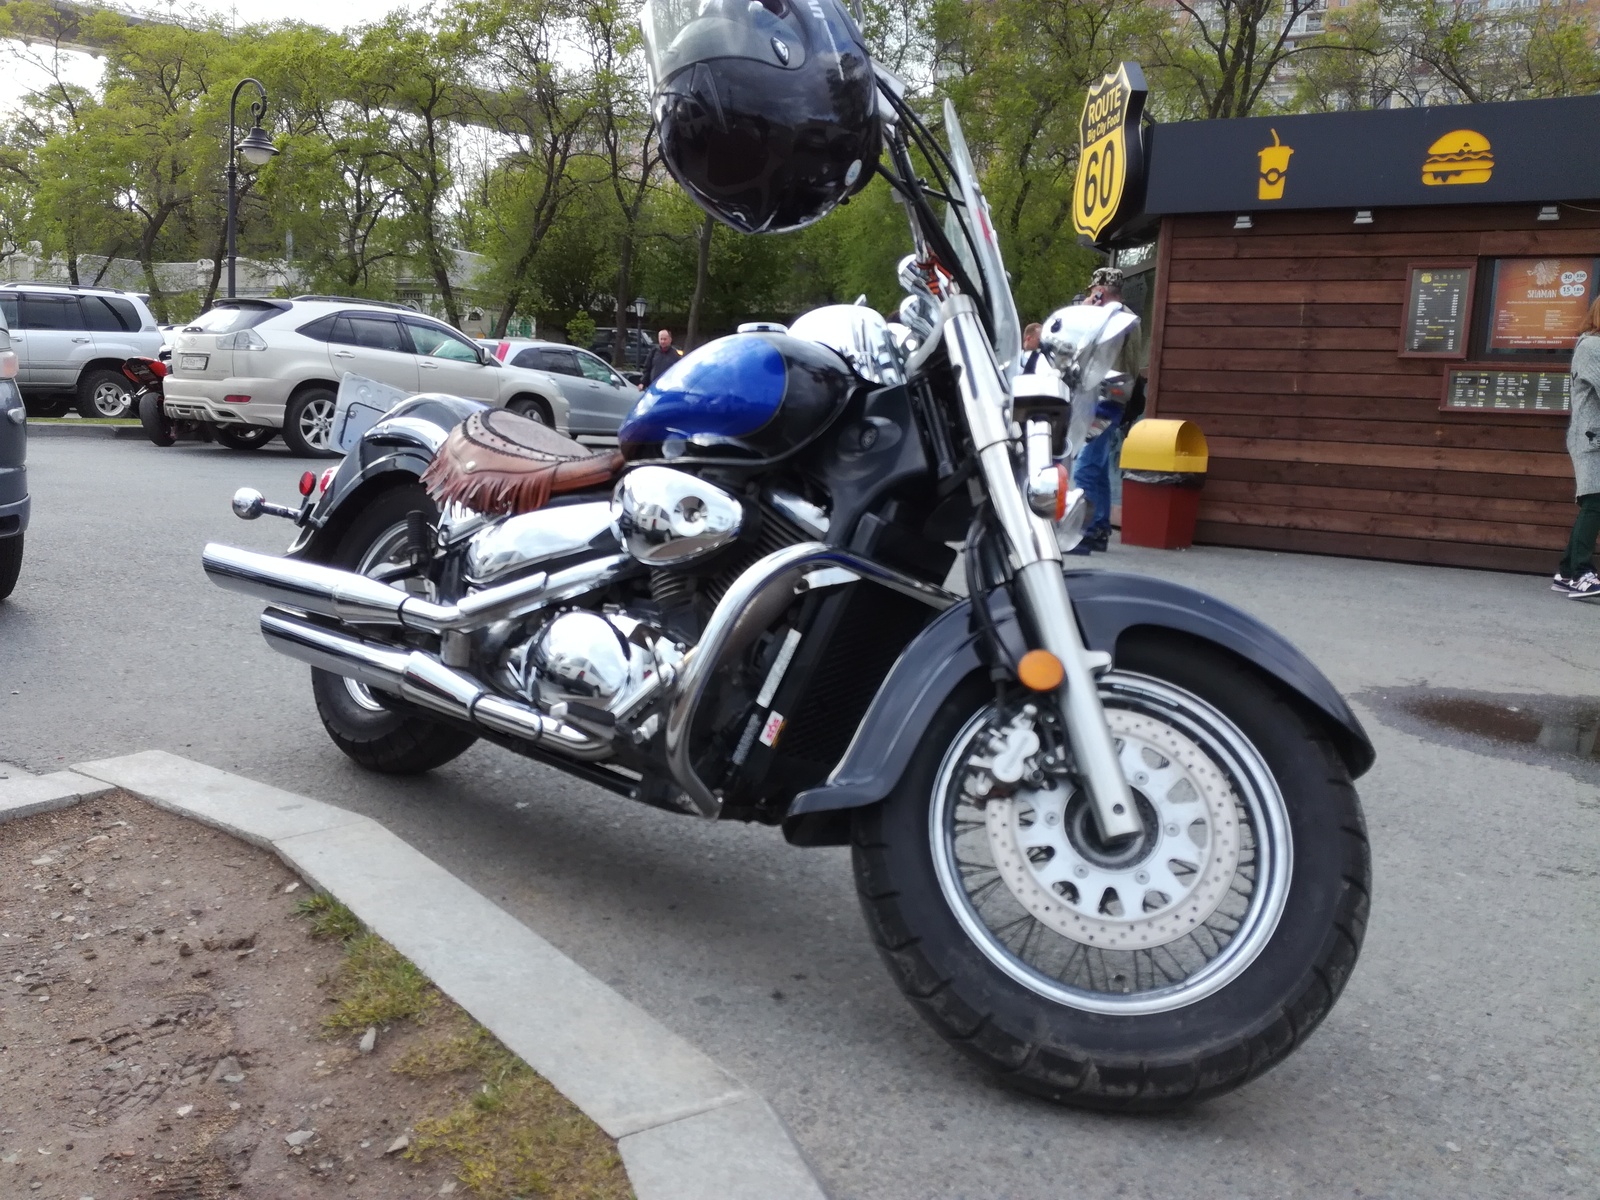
[17,76]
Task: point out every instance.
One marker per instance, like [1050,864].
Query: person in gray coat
[1576,575]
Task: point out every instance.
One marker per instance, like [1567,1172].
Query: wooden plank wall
[1281,343]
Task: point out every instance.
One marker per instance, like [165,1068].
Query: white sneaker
[1585,587]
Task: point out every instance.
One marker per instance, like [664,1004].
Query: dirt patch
[165,1035]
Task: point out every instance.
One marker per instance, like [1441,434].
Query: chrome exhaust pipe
[347,596]
[424,681]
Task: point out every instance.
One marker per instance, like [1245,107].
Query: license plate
[193,362]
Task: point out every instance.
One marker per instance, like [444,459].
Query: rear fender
[1108,605]
[394,452]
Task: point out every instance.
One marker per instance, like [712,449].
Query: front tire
[1209,976]
[389,741]
[532,407]
[10,563]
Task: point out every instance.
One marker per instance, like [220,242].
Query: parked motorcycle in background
[1102,826]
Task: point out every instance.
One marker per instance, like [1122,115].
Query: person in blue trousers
[1092,471]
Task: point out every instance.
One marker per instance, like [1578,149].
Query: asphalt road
[1461,1062]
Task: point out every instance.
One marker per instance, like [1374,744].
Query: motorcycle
[1102,826]
[148,375]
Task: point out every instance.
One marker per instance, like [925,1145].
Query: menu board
[1438,312]
[1507,391]
[1540,303]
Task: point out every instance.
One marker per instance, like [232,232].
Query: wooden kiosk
[1371,315]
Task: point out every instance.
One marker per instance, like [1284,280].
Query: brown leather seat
[497,462]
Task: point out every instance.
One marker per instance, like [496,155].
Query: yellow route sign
[1111,152]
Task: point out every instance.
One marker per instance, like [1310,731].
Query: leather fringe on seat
[497,462]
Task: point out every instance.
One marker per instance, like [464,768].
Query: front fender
[1107,604]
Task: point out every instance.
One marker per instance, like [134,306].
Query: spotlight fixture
[1242,221]
[1363,216]
[1549,213]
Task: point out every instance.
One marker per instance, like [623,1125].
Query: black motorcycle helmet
[767,109]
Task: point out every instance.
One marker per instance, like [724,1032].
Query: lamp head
[257,147]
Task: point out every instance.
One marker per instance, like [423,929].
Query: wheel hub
[1152,890]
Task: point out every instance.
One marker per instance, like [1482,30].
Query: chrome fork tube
[1037,559]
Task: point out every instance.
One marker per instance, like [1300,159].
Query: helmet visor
[681,32]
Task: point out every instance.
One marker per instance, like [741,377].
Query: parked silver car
[71,343]
[599,398]
[255,367]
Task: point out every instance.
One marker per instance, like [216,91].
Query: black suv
[13,475]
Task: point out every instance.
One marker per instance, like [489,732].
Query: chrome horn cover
[664,517]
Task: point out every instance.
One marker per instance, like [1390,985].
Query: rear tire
[10,563]
[104,394]
[308,423]
[1149,1045]
[389,741]
[158,427]
[245,437]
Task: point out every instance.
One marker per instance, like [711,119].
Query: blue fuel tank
[751,395]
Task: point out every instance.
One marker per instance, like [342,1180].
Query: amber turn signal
[1040,671]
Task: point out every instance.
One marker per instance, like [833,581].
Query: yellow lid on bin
[1156,445]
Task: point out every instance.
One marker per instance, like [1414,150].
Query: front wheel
[1141,975]
[360,721]
[10,563]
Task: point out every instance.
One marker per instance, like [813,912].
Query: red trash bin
[1163,468]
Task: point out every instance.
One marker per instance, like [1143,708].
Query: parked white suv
[255,367]
[71,343]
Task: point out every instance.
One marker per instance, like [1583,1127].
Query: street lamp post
[257,149]
[639,308]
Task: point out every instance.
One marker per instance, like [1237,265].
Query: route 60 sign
[1111,153]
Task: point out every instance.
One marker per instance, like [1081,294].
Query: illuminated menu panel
[1540,303]
[1508,391]
[1438,311]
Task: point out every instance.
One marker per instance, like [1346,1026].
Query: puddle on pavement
[1558,731]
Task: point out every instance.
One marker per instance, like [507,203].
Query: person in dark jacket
[660,359]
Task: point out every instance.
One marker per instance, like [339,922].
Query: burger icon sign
[1461,156]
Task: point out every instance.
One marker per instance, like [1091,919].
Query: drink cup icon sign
[1274,166]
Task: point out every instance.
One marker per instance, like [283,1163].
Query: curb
[86,429]
[685,1128]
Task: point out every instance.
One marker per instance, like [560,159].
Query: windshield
[985,265]
[226,318]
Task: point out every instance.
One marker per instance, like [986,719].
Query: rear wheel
[357,718]
[308,423]
[1143,975]
[158,427]
[10,563]
[245,437]
[104,394]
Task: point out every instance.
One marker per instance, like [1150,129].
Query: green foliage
[329,917]
[512,1134]
[377,986]
[520,130]
[580,328]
